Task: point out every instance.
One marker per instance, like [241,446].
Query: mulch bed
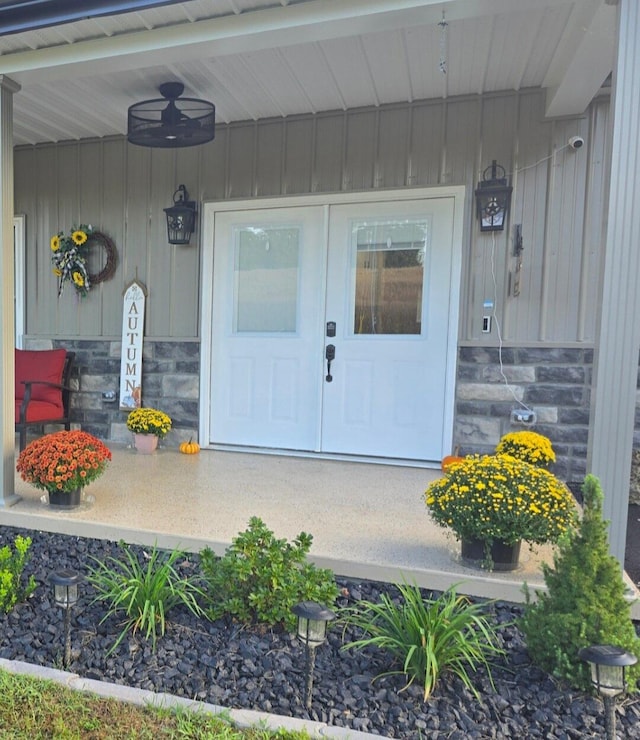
[227,664]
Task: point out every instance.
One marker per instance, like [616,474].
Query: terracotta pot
[145,444]
[505,557]
[65,499]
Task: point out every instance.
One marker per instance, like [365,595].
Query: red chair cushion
[40,411]
[46,365]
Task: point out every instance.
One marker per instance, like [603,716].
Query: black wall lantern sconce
[313,619]
[65,594]
[181,217]
[493,198]
[608,664]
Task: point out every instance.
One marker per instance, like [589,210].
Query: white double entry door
[333,325]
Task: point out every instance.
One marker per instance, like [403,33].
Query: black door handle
[330,356]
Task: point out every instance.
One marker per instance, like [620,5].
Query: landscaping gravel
[237,667]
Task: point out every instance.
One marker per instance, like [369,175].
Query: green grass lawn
[37,709]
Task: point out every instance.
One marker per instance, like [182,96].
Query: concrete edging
[242,718]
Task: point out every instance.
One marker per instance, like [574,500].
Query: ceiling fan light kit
[171,121]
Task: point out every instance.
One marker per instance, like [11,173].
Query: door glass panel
[389,274]
[266,279]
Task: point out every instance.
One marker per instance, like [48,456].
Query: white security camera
[575,142]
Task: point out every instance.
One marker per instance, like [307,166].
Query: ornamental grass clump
[143,594]
[500,498]
[531,447]
[428,637]
[63,461]
[149,421]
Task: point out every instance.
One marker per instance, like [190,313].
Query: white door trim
[207,320]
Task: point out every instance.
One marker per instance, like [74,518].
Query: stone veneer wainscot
[555,382]
[170,382]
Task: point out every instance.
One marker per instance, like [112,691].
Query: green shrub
[12,564]
[260,578]
[145,594]
[427,636]
[585,604]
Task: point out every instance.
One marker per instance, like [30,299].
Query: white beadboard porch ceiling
[270,58]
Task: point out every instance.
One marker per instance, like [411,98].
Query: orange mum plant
[63,461]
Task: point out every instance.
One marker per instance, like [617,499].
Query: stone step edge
[242,718]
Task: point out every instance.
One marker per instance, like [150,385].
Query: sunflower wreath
[69,255]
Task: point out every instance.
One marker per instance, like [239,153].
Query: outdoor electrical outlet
[523,416]
[487,308]
[109,396]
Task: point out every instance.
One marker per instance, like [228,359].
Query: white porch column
[614,395]
[7,290]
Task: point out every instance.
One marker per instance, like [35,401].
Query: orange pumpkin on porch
[189,448]
[450,460]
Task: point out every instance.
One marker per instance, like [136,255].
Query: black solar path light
[313,620]
[608,665]
[65,593]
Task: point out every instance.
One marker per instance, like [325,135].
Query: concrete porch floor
[367,520]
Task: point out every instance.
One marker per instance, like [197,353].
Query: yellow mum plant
[531,447]
[149,421]
[69,259]
[500,498]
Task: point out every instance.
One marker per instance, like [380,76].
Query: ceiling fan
[171,121]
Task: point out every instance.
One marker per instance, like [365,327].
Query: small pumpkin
[450,460]
[190,447]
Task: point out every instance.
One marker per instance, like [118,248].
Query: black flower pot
[505,557]
[65,499]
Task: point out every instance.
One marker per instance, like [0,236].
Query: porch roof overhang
[262,59]
[26,15]
[275,58]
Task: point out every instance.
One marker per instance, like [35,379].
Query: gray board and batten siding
[558,199]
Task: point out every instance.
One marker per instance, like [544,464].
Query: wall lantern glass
[608,664]
[493,198]
[313,620]
[181,217]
